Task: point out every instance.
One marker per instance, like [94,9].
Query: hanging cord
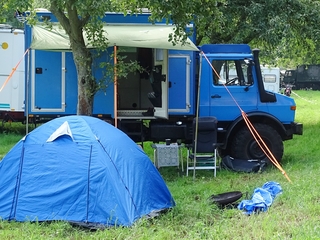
[263,145]
[13,70]
[303,98]
[253,131]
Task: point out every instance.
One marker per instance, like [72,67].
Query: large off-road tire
[244,146]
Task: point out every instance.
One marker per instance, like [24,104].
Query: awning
[148,36]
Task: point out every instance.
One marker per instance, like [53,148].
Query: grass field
[295,214]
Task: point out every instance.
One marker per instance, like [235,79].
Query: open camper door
[161,74]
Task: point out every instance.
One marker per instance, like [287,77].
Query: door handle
[216,96]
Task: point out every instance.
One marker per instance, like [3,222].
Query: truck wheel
[222,152]
[244,146]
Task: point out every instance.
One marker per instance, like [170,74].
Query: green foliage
[7,16]
[45,4]
[286,31]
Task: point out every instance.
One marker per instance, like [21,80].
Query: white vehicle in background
[271,78]
[12,88]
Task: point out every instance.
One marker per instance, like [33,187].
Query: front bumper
[297,128]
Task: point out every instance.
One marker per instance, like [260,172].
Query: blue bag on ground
[262,198]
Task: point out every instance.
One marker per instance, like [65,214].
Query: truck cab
[271,113]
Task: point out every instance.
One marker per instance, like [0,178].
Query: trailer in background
[12,93]
[271,78]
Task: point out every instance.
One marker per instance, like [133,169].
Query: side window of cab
[232,73]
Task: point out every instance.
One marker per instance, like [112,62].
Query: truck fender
[254,117]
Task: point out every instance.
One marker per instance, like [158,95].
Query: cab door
[228,92]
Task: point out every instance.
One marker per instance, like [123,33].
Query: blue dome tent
[82,170]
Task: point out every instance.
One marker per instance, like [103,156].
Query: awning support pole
[115,87]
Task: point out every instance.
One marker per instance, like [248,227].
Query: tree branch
[59,13]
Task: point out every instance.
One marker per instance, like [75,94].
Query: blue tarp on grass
[262,198]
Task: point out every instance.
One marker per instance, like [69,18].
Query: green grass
[7,141]
[295,214]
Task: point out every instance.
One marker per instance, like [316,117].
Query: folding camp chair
[202,154]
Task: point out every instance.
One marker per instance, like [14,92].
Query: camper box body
[53,79]
[189,88]
[11,80]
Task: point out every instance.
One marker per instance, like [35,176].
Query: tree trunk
[86,82]
[82,56]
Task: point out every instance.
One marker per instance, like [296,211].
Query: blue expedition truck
[165,106]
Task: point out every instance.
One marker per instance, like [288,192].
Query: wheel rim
[255,151]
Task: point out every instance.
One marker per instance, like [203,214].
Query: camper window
[269,78]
